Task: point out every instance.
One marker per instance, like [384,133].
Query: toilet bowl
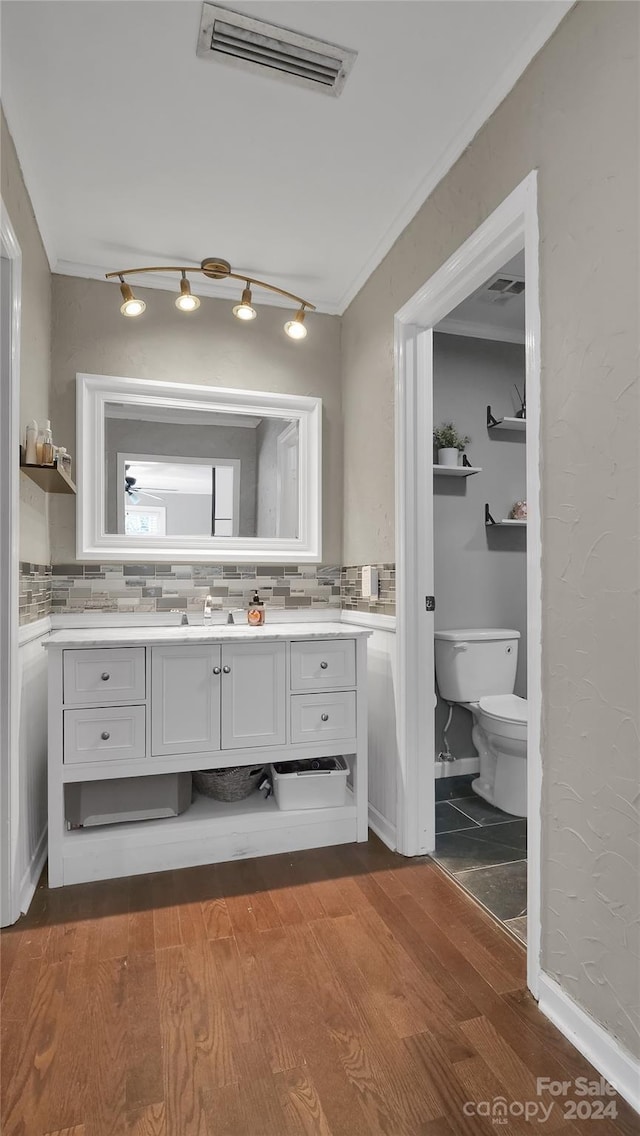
[476,668]
[500,736]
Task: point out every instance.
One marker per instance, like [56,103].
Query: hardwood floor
[337,992]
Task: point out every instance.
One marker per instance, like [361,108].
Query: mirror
[214,474]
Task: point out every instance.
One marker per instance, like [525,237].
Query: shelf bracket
[491,421]
[488,519]
[466,463]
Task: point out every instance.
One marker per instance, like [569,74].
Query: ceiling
[483,318]
[135,151]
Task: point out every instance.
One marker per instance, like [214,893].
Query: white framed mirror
[170,471]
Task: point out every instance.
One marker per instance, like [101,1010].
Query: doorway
[512,228]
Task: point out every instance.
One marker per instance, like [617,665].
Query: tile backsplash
[183,587]
[34,600]
[165,587]
[351,590]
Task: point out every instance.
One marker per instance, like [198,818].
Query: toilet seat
[505,708]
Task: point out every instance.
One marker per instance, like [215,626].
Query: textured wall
[574,117]
[35,367]
[209,347]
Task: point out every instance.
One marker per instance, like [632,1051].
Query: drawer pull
[226,670]
[105,735]
[216,670]
[323,665]
[325,717]
[105,676]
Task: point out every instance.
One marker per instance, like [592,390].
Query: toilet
[476,668]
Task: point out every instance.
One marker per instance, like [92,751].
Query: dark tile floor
[484,849]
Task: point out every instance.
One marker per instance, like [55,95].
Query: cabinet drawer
[317,664]
[105,675]
[110,733]
[317,716]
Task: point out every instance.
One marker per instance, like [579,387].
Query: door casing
[513,226]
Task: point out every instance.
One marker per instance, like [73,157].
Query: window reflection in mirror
[174,472]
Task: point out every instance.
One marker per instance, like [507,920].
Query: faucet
[207,614]
[232,612]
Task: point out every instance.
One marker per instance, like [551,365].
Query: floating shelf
[507,521]
[49,477]
[455,470]
[519,424]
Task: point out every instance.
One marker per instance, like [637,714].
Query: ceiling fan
[132,493]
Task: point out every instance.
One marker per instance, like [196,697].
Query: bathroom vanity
[132,702]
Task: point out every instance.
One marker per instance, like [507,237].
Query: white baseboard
[606,1054]
[29,881]
[458,767]
[383,828]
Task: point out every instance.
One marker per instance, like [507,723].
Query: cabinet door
[253,695]
[185,699]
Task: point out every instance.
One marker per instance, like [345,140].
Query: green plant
[446,437]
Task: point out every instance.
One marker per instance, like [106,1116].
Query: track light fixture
[295,328]
[185,302]
[131,307]
[244,310]
[215,268]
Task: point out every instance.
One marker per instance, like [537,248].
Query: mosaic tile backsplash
[34,600]
[351,590]
[165,587]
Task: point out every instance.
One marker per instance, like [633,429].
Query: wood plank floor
[338,992]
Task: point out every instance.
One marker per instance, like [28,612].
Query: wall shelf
[505,522]
[455,470]
[49,477]
[519,424]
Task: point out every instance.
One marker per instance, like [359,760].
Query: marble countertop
[225,633]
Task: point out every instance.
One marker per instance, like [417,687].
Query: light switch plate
[370,583]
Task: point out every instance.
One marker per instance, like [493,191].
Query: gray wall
[209,347]
[35,345]
[573,116]
[480,573]
[179,440]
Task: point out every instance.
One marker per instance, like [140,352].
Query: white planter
[448,456]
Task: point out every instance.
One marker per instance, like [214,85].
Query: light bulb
[185,302]
[244,310]
[131,306]
[295,328]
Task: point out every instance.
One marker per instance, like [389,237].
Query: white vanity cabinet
[131,702]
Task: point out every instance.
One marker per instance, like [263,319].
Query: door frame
[9,588]
[510,228]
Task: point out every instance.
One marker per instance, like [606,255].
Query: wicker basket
[228,784]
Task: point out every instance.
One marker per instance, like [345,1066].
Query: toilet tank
[474,662]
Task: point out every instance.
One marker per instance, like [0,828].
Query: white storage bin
[312,783]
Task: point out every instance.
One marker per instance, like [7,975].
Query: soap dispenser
[255,614]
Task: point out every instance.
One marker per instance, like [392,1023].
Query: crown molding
[202,286]
[554,14]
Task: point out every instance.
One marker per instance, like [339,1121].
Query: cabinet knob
[226,670]
[105,676]
[105,735]
[323,666]
[216,670]
[325,717]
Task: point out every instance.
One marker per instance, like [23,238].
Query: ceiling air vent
[268,49]
[502,288]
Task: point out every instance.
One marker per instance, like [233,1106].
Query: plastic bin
[312,783]
[127,799]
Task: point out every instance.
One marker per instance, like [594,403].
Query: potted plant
[449,443]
